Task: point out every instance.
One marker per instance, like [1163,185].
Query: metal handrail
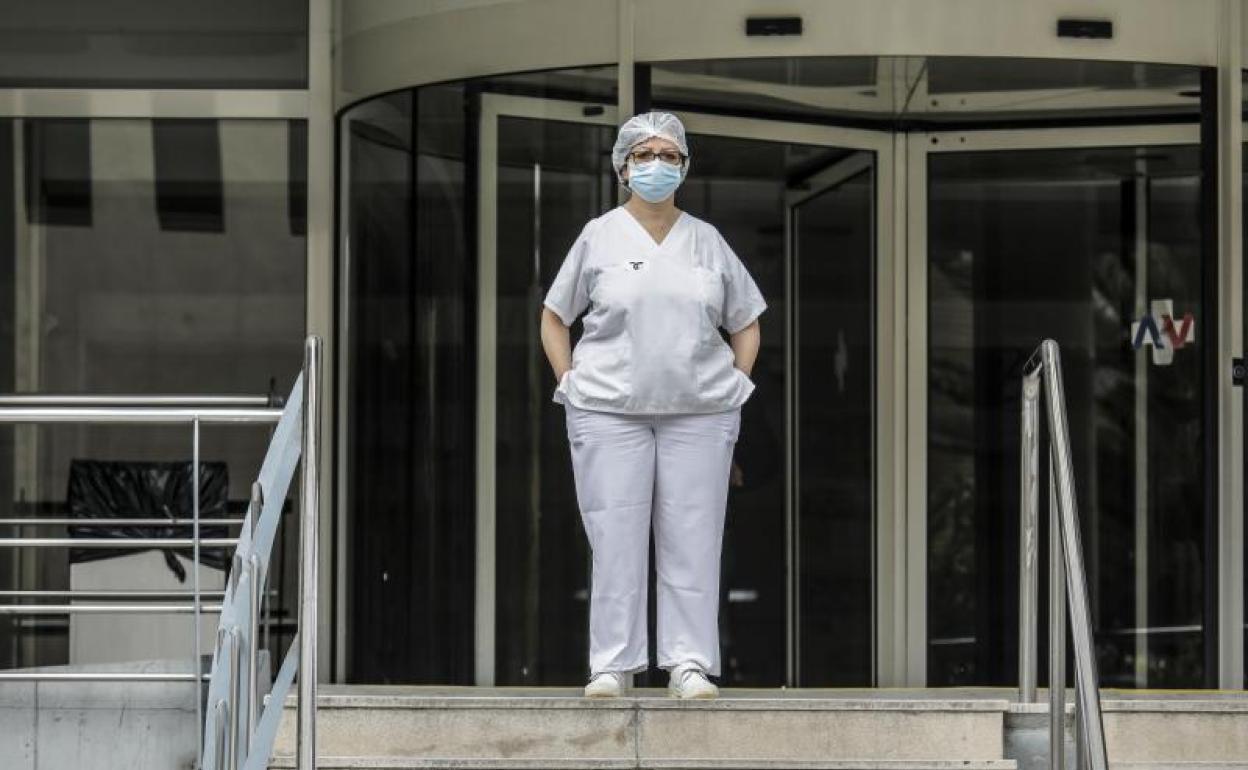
[95,399]
[98,609]
[110,593]
[236,714]
[31,521]
[96,676]
[152,415]
[1067,577]
[246,736]
[120,543]
[20,409]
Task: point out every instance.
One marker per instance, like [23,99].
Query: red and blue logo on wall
[1159,330]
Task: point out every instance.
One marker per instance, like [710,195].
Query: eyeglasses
[667,156]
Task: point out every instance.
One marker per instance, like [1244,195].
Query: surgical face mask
[654,181]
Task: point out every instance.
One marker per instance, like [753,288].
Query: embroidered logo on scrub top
[637,265]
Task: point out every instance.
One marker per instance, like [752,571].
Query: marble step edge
[349,701]
[403,763]
[1181,765]
[1147,706]
[408,763]
[655,703]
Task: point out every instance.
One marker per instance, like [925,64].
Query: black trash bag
[107,489]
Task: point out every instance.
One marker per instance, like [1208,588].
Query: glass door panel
[553,176]
[791,224]
[1099,248]
[739,186]
[833,266]
[406,389]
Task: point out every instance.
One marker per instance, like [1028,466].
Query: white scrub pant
[672,470]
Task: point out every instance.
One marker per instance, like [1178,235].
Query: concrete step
[392,763]
[1177,731]
[1179,765]
[1145,732]
[557,729]
[774,729]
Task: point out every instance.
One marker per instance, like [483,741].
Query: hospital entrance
[911,255]
[797,204]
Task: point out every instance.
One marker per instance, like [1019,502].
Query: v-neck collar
[640,229]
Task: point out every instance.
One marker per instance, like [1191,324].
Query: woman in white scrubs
[653,395]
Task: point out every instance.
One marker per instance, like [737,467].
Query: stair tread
[1181,765]
[467,728]
[656,699]
[907,699]
[410,763]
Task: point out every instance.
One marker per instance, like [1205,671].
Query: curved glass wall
[461,199]
[409,322]
[411,312]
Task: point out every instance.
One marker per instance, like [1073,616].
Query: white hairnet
[641,127]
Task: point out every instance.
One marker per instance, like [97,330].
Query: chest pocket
[610,287]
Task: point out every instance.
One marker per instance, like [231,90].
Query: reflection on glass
[410,396]
[738,185]
[99,297]
[410,431]
[877,92]
[760,195]
[789,88]
[1075,245]
[411,167]
[834,266]
[589,85]
[154,44]
[553,177]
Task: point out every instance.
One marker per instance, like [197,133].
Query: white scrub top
[651,342]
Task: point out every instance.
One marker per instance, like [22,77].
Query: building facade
[923,190]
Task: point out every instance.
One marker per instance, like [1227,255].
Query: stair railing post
[256,599]
[308,524]
[197,664]
[234,696]
[1057,635]
[1087,681]
[1029,581]
[253,649]
[221,713]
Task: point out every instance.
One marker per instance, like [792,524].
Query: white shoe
[607,684]
[689,681]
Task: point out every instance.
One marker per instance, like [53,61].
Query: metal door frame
[889,631]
